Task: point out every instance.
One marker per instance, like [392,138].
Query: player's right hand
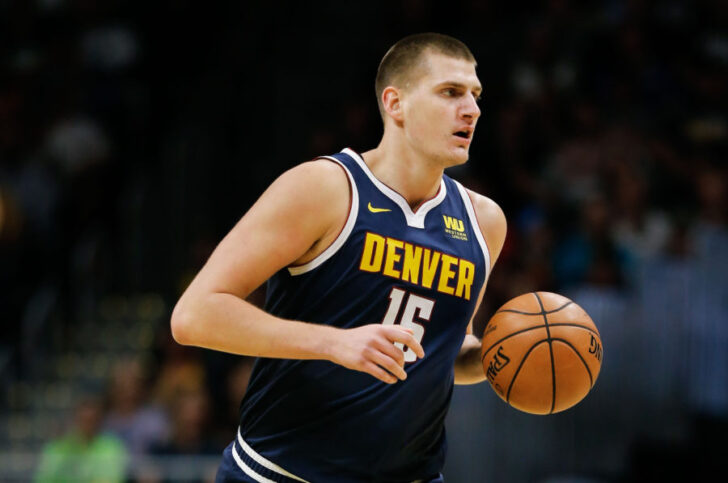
[371,349]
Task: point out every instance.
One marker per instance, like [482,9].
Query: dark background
[133,135]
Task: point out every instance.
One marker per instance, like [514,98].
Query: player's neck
[408,173]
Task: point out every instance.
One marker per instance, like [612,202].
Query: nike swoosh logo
[377,210]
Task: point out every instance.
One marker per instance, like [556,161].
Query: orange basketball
[541,353]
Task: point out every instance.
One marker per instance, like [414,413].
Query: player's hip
[241,463]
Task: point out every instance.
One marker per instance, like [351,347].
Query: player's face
[441,109]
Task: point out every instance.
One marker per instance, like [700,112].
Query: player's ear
[392,102]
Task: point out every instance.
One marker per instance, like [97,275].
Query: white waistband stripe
[262,462]
[247,470]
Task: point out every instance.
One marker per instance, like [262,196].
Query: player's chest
[438,258]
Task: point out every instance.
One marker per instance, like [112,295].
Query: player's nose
[470,109]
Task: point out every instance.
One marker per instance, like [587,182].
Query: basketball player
[376,264]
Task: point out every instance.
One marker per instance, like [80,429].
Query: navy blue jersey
[304,420]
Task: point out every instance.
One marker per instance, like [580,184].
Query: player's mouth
[465,135]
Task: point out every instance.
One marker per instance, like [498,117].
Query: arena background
[133,135]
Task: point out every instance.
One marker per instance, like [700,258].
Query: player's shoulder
[491,220]
[315,182]
[322,172]
[486,207]
[313,195]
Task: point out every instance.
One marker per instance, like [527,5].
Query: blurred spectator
[575,171]
[640,230]
[190,422]
[84,454]
[706,320]
[11,254]
[110,47]
[189,437]
[181,370]
[588,253]
[236,384]
[76,143]
[131,416]
[711,228]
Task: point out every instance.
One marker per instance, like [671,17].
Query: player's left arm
[492,223]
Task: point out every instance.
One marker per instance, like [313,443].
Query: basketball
[541,353]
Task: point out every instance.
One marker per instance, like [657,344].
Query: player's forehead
[441,69]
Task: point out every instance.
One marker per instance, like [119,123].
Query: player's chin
[459,155]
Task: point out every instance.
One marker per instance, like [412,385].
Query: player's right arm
[299,215]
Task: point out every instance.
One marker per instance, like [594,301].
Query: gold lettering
[449,222]
[465,279]
[446,274]
[371,257]
[392,257]
[418,265]
[453,223]
[412,260]
[429,267]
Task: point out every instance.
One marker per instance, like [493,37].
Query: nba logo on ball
[541,353]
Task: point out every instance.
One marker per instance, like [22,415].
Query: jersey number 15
[416,307]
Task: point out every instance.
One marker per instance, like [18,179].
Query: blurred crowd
[128,148]
[167,428]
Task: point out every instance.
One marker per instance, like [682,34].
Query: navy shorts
[230,470]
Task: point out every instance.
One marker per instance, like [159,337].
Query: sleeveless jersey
[304,420]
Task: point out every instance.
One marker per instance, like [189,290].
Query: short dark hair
[402,58]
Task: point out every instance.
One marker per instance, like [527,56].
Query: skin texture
[301,214]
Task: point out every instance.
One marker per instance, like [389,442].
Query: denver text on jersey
[417,260]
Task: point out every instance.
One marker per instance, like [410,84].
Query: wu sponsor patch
[455,228]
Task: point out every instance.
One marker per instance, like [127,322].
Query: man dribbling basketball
[376,264]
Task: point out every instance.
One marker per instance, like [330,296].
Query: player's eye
[450,92]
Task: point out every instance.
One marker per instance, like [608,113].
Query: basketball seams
[568,343]
[552,324]
[513,334]
[551,353]
[574,324]
[520,365]
[536,313]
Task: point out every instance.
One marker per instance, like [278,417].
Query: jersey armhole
[476,228]
[345,230]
